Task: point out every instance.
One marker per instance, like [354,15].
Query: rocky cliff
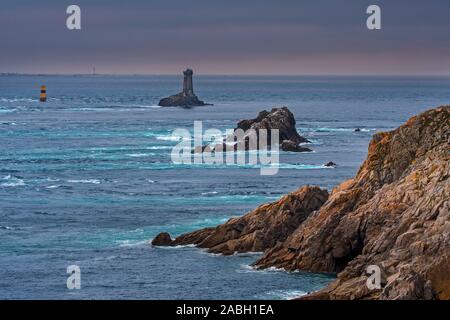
[395,214]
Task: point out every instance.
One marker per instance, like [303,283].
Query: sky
[291,37]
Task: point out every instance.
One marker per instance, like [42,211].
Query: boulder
[163,239]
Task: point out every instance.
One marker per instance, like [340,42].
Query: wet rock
[290,146]
[163,239]
[330,164]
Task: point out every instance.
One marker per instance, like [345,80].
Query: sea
[87,178]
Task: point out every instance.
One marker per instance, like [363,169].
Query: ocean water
[86,178]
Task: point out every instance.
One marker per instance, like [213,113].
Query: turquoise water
[86,178]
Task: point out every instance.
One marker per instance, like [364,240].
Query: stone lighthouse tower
[187,97]
[188,87]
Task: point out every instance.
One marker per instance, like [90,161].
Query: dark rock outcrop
[290,146]
[260,229]
[278,118]
[187,97]
[330,164]
[162,239]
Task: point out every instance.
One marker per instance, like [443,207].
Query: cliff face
[394,214]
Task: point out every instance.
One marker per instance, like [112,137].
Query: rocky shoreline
[394,214]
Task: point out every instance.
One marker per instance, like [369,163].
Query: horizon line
[227,74]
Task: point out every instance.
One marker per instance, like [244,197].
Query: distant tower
[188,87]
[93,71]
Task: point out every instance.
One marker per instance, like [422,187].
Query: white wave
[284,294]
[209,192]
[329,129]
[53,187]
[131,243]
[150,107]
[159,148]
[139,155]
[172,138]
[178,247]
[93,181]
[12,181]
[15,183]
[18,100]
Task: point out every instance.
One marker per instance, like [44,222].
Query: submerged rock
[330,164]
[187,97]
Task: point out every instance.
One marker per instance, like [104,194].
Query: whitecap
[330,129]
[209,192]
[177,247]
[150,107]
[12,182]
[131,243]
[53,187]
[93,181]
[159,147]
[172,138]
[284,294]
[18,100]
[139,155]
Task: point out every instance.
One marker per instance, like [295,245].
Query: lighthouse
[188,86]
[185,98]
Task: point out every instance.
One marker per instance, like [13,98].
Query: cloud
[238,37]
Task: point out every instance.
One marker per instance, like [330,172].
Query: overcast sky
[226,37]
